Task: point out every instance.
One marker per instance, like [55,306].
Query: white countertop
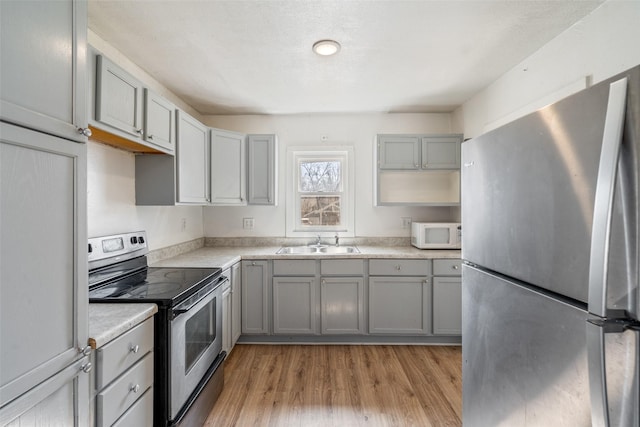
[108,321]
[225,257]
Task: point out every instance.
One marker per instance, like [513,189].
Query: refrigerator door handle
[603,207]
[596,330]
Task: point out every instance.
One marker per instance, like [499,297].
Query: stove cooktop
[160,285]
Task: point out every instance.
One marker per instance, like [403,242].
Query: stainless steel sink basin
[340,250]
[318,250]
[300,250]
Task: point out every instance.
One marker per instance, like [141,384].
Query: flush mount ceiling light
[326,47]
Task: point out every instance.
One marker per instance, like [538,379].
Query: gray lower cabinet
[231,308]
[399,300]
[342,297]
[43,278]
[124,379]
[236,303]
[256,277]
[227,310]
[262,170]
[43,66]
[342,305]
[294,305]
[447,297]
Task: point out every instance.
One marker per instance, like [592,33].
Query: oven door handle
[181,310]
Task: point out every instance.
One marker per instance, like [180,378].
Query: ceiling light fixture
[326,47]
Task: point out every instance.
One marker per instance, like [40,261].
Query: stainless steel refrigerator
[551,253]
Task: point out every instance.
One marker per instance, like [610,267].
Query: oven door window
[200,332]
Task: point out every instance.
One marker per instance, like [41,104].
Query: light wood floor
[321,385]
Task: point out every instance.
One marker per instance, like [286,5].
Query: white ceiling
[255,57]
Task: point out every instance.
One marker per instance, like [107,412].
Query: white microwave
[436,235]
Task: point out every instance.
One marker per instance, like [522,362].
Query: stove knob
[134,240]
[141,240]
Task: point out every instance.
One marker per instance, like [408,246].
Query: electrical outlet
[183,224]
[406,222]
[247,223]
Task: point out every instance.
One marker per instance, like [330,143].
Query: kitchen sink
[318,250]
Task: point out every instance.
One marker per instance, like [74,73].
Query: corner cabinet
[192,160]
[262,170]
[43,66]
[228,163]
[418,170]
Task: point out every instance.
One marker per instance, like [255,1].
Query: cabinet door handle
[149,136]
[135,388]
[253,263]
[85,131]
[86,368]
[398,267]
[455,267]
[134,348]
[140,132]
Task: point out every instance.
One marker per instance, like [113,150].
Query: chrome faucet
[337,240]
[318,240]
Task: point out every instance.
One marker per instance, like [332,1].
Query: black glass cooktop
[165,286]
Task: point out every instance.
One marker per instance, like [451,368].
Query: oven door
[196,340]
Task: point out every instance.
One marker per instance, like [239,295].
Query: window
[320,191]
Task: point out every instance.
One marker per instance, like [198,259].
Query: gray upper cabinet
[418,170]
[126,114]
[42,71]
[262,169]
[441,152]
[398,152]
[118,98]
[43,280]
[192,160]
[228,163]
[159,122]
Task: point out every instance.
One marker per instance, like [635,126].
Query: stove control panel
[114,247]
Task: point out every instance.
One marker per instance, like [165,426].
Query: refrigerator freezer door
[525,359]
[529,192]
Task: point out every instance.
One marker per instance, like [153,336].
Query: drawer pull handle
[135,388]
[455,267]
[86,368]
[398,267]
[134,348]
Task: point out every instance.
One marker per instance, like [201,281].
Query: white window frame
[294,228]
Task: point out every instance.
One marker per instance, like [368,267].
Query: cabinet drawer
[399,267]
[447,267]
[114,400]
[140,414]
[118,355]
[294,267]
[342,267]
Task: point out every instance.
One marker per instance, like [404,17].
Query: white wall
[601,45]
[358,130]
[111,202]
